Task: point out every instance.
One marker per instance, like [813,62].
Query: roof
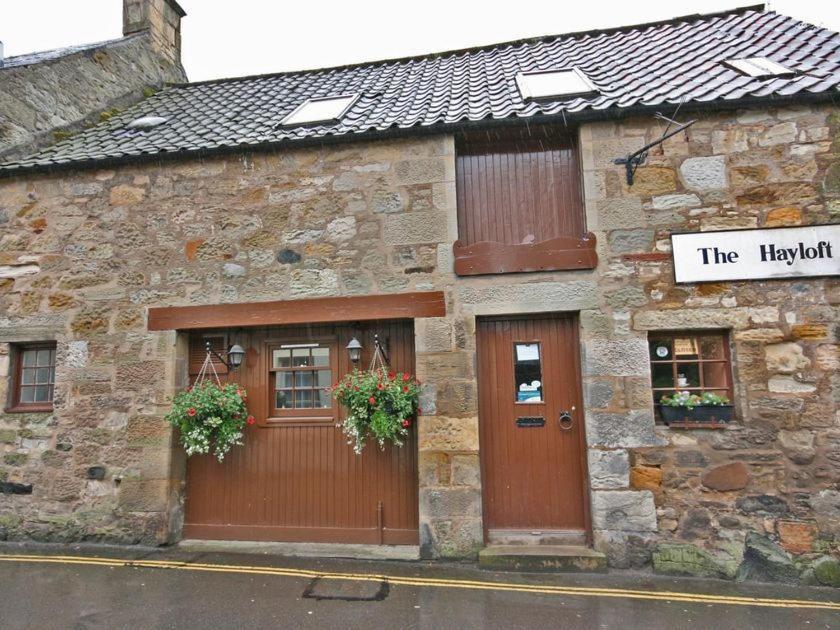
[678,61]
[29,59]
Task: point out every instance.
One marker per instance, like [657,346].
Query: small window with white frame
[554,84]
[320,110]
[759,67]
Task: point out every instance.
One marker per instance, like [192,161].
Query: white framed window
[758,67]
[319,110]
[546,84]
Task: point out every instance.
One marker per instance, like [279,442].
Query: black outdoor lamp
[235,355]
[354,349]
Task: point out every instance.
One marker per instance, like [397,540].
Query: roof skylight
[758,67]
[316,110]
[546,84]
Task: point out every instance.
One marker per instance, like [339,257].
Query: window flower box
[702,416]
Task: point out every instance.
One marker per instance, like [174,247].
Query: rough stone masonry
[85,252]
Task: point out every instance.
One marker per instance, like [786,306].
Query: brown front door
[531,431]
[296,479]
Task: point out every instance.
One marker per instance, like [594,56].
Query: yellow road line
[578,591]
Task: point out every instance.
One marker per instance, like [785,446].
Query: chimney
[161,19]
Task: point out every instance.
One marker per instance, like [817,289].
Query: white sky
[226,38]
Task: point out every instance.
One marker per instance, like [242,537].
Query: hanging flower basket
[210,416]
[380,405]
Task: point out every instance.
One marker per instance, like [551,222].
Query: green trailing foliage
[380,406]
[210,417]
[690,401]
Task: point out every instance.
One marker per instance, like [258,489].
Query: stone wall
[776,470]
[43,102]
[84,253]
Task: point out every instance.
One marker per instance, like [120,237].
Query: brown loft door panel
[300,482]
[532,459]
[520,206]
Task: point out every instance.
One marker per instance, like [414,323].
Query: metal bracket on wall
[634,160]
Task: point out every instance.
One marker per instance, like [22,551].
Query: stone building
[48,95]
[472,214]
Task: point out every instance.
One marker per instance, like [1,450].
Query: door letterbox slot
[530,422]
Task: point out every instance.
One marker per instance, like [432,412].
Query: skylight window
[317,110]
[759,67]
[146,122]
[547,84]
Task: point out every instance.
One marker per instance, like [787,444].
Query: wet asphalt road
[54,591]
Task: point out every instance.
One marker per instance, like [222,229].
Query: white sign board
[794,252]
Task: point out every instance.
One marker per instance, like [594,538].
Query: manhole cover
[347,590]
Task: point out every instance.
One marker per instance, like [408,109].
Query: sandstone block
[704,173]
[137,495]
[810,331]
[628,241]
[676,202]
[124,195]
[526,297]
[654,180]
[415,227]
[726,141]
[789,385]
[796,536]
[620,212]
[646,478]
[434,334]
[608,469]
[798,446]
[728,477]
[627,356]
[621,430]
[783,133]
[625,510]
[785,358]
[421,171]
[787,215]
[438,433]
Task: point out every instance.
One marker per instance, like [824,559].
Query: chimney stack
[161,19]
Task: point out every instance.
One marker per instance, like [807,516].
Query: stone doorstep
[304,550]
[542,558]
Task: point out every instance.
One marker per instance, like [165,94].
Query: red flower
[251,420]
[380,386]
[372,400]
[392,375]
[191,412]
[405,388]
[406,423]
[406,377]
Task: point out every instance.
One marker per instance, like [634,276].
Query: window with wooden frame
[520,202]
[696,362]
[300,375]
[33,377]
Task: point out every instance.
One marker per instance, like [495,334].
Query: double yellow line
[575,591]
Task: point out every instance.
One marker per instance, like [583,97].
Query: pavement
[80,587]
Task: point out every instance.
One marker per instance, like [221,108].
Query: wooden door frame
[582,444]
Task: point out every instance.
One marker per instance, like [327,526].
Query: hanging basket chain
[378,356]
[202,373]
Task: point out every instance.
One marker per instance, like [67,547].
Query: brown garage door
[296,479]
[531,432]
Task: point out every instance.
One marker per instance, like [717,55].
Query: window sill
[29,409]
[292,421]
[697,425]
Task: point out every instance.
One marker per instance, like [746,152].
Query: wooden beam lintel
[315,310]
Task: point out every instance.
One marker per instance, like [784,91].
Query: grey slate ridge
[663,64]
[43,56]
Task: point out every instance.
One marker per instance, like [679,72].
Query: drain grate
[347,590]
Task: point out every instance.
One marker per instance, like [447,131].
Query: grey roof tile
[677,61]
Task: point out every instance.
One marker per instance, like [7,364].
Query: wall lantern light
[354,349]
[235,355]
